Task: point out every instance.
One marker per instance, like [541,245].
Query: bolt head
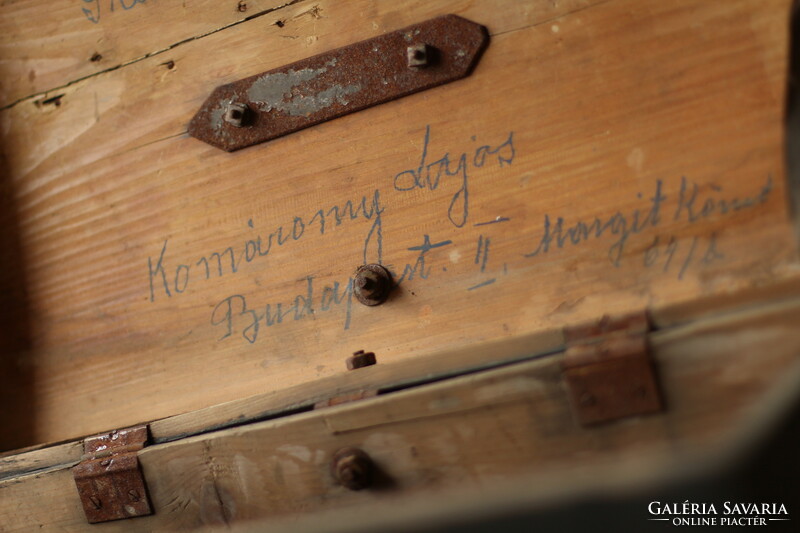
[372,284]
[236,114]
[360,359]
[587,399]
[419,55]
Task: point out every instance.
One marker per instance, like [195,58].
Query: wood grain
[46,44]
[387,377]
[722,380]
[603,103]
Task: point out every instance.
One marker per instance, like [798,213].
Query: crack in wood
[552,19]
[151,54]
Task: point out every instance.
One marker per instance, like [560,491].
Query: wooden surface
[605,104]
[46,45]
[725,381]
[389,377]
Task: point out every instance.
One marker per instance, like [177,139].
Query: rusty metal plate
[611,379]
[129,439]
[109,479]
[112,488]
[635,322]
[339,82]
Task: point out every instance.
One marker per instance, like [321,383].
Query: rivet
[237,114]
[352,468]
[360,359]
[133,495]
[372,284]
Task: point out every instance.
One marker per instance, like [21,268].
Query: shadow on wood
[17,415]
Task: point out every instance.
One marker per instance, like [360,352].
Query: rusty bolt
[372,284]
[236,114]
[419,55]
[360,359]
[352,468]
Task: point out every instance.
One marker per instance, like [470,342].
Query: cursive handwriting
[693,210]
[233,313]
[169,281]
[620,225]
[659,253]
[428,175]
[690,208]
[92,12]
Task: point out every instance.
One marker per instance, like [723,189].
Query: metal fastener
[236,114]
[360,359]
[419,55]
[587,399]
[356,77]
[372,284]
[352,468]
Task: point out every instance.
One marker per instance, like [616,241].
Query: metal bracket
[339,82]
[608,369]
[109,478]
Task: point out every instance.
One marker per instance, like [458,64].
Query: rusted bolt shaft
[352,468]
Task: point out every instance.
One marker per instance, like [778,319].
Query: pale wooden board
[389,377]
[475,431]
[25,462]
[603,101]
[47,44]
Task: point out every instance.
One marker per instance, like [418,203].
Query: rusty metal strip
[339,82]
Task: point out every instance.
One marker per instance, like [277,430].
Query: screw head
[587,399]
[360,359]
[372,284]
[96,503]
[419,55]
[236,114]
[352,468]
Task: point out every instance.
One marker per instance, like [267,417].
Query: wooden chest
[592,242]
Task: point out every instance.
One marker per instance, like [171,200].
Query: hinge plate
[109,478]
[608,369]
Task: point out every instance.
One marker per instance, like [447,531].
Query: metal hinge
[109,479]
[608,369]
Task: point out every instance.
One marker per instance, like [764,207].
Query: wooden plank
[107,181]
[506,425]
[47,44]
[26,462]
[406,373]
